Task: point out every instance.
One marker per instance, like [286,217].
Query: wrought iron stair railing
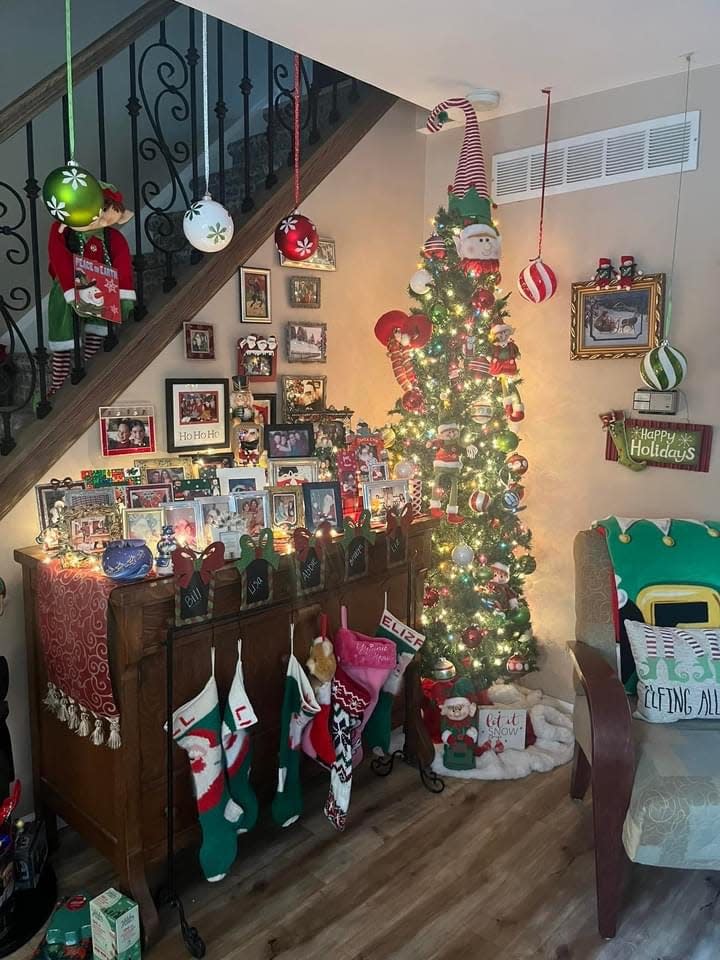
[138,93]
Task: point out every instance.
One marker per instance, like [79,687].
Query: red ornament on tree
[434,248]
[413,401]
[482,299]
[296,237]
[431,597]
[473,636]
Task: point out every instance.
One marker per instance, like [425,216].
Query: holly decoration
[72,195]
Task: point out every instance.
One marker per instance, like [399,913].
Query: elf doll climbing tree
[460,403]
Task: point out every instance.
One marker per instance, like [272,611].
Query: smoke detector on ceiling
[483,100]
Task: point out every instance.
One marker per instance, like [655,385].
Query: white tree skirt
[553,726]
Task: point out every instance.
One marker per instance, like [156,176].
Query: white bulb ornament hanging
[421,281]
[207,225]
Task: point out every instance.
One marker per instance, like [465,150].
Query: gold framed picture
[255,304]
[164,470]
[611,323]
[89,529]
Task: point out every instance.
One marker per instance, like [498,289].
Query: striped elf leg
[60,363]
[92,343]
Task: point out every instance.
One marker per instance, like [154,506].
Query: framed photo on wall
[199,341]
[306,342]
[289,440]
[257,356]
[126,429]
[266,405]
[322,259]
[303,394]
[255,306]
[609,323]
[163,470]
[305,292]
[197,414]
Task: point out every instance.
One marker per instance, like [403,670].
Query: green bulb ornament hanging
[71,193]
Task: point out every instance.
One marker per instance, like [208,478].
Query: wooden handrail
[47,91]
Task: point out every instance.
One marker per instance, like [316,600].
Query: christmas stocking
[196,728]
[237,747]
[368,661]
[349,703]
[321,664]
[299,707]
[614,422]
[407,643]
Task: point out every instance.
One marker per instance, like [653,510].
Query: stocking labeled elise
[196,729]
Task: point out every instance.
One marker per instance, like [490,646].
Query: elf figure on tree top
[459,438]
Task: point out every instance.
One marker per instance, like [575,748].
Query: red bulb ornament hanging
[537,282]
[296,236]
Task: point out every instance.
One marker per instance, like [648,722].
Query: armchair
[655,787]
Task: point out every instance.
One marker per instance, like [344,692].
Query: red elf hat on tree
[468,194]
[415,326]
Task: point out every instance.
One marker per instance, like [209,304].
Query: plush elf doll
[458,726]
[104,244]
[447,462]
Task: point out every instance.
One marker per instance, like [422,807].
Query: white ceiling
[426,50]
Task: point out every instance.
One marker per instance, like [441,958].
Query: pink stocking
[369,662]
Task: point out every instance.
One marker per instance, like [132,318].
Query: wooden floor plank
[485,870]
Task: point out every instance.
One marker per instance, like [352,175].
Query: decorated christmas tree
[456,362]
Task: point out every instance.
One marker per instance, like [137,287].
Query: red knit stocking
[59,369]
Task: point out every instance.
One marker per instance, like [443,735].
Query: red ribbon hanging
[296,130]
[187,561]
[546,91]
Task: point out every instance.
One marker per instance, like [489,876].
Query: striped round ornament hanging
[537,282]
[664,367]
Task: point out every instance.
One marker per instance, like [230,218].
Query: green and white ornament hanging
[664,367]
[207,225]
[71,193]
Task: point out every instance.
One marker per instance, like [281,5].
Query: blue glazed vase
[127,559]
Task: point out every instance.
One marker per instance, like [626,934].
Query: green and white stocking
[298,709]
[196,728]
[407,643]
[237,746]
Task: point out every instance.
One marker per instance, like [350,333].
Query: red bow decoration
[397,523]
[186,562]
[303,540]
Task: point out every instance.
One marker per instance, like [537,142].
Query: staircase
[139,68]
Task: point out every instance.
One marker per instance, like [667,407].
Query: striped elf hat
[664,367]
[468,194]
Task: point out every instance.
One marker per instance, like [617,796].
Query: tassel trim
[82,721]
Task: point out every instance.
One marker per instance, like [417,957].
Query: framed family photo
[240,479]
[323,503]
[199,341]
[329,434]
[184,519]
[306,342]
[143,524]
[163,470]
[251,512]
[289,440]
[289,473]
[148,495]
[383,495]
[285,508]
[89,529]
[257,358]
[197,414]
[255,295]
[266,405]
[305,292]
[303,394]
[127,429]
[322,259]
[216,513]
[50,499]
[611,323]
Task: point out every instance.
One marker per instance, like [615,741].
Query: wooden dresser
[116,799]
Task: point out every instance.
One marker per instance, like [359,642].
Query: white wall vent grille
[633,152]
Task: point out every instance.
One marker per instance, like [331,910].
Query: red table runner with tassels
[72,610]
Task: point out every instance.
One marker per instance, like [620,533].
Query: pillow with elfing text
[678,672]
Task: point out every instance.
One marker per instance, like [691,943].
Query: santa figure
[206,762]
[458,728]
[479,248]
[505,596]
[102,243]
[446,464]
[504,351]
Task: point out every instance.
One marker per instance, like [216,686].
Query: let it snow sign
[676,446]
[506,726]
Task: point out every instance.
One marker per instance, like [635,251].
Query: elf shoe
[368,661]
[196,728]
[237,747]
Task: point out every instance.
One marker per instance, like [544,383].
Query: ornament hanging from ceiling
[296,236]
[664,367]
[71,193]
[207,225]
[537,282]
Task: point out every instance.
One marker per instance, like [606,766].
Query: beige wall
[372,206]
[569,484]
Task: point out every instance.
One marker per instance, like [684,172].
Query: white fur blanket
[553,726]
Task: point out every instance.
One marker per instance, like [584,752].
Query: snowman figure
[458,728]
[479,248]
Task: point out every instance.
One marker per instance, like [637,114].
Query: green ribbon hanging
[359,529]
[262,550]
